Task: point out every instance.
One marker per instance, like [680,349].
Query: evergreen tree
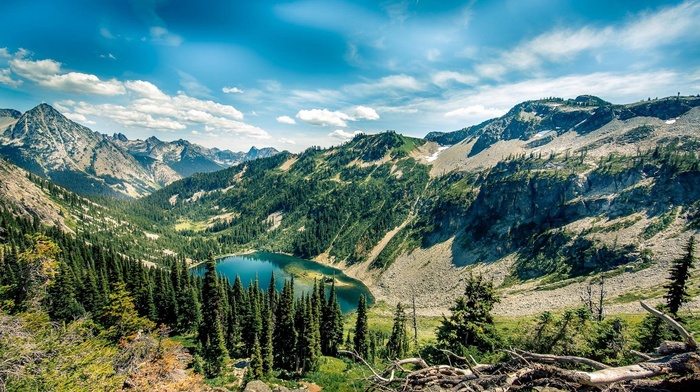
[361,339]
[267,350]
[653,331]
[331,324]
[285,335]
[677,293]
[256,361]
[211,334]
[397,347]
[119,315]
[308,345]
[61,303]
[471,322]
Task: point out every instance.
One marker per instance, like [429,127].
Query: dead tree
[526,370]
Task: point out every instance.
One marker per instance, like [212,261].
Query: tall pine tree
[331,324]
[211,334]
[397,346]
[361,338]
[677,293]
[285,335]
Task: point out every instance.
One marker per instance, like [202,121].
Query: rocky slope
[46,143]
[186,158]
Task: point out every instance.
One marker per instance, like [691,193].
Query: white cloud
[365,113]
[77,82]
[161,35]
[323,117]
[232,90]
[78,118]
[145,89]
[650,31]
[476,111]
[285,140]
[669,25]
[47,73]
[7,80]
[343,135]
[400,82]
[445,78]
[4,53]
[286,120]
[35,70]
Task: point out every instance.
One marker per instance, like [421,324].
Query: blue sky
[291,74]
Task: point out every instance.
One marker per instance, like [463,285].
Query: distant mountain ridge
[187,158]
[46,143]
[583,114]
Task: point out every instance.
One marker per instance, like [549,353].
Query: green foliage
[470,324]
[679,275]
[211,334]
[398,346]
[119,315]
[361,338]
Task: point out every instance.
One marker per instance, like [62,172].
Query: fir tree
[677,293]
[61,303]
[267,350]
[397,346]
[471,322]
[211,334]
[256,361]
[285,335]
[331,325]
[361,339]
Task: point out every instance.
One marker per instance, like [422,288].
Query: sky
[293,74]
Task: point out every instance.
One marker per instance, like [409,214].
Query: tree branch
[547,358]
[673,323]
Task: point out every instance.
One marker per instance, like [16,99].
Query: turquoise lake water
[263,264]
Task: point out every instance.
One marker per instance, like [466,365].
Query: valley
[555,199]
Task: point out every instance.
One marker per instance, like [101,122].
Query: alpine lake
[262,265]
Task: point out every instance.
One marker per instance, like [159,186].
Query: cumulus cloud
[323,117]
[7,80]
[286,120]
[78,118]
[476,111]
[343,135]
[232,90]
[47,73]
[4,53]
[365,113]
[145,89]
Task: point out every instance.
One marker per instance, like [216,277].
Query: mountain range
[555,195]
[48,144]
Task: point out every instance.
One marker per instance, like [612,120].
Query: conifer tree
[677,293]
[119,315]
[267,350]
[285,334]
[256,361]
[361,339]
[471,322]
[61,303]
[331,325]
[211,334]
[397,346]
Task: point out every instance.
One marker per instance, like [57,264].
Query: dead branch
[673,323]
[548,358]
